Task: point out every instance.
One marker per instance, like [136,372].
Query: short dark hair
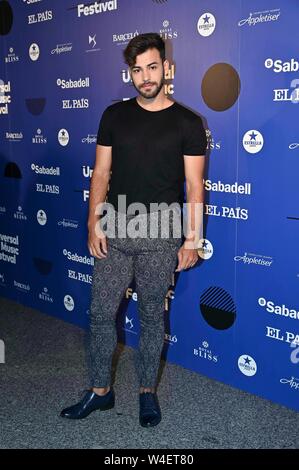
[142,43]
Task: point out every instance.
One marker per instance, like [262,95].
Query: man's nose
[146,76]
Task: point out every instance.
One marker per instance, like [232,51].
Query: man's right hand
[97,242]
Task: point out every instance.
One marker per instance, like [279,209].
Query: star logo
[252,136]
[206,24]
[253,141]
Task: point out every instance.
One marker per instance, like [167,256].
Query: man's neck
[154,104]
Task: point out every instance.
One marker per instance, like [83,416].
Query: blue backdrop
[235,316]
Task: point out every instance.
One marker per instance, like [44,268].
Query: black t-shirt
[148,149]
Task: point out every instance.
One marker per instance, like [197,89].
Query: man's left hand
[187,256]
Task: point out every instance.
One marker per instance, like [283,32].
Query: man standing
[151,144]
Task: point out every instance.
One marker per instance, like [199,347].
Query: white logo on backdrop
[247,365]
[63,137]
[34,52]
[206,24]
[69,302]
[205,249]
[260,17]
[41,217]
[253,141]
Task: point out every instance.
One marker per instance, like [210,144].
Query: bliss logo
[205,352]
[212,144]
[167,32]
[45,296]
[19,214]
[39,138]
[11,57]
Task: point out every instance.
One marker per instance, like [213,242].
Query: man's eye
[153,67]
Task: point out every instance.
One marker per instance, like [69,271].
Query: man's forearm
[97,196]
[194,224]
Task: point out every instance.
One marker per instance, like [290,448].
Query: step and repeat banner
[235,316]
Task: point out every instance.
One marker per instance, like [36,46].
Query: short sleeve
[195,139]
[104,136]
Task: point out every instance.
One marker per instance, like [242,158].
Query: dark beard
[153,92]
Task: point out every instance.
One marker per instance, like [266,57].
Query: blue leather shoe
[150,413]
[90,402]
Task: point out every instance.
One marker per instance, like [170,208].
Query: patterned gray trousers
[151,261]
